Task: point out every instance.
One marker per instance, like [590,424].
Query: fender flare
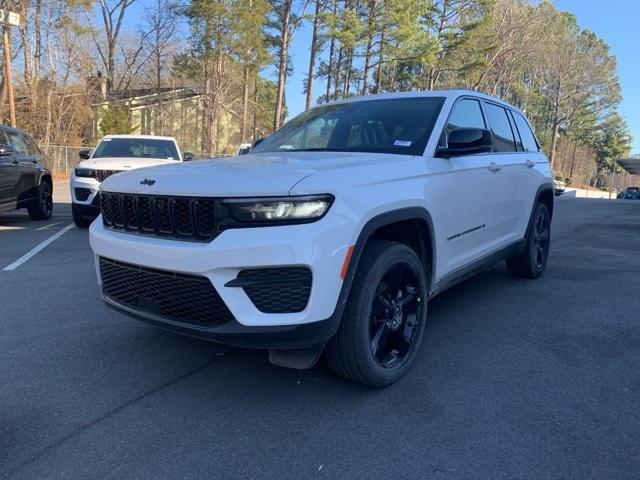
[545,187]
[374,223]
[45,174]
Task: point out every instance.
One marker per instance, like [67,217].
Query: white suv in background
[334,232]
[114,154]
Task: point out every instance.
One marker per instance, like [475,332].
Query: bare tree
[161,41]
[112,13]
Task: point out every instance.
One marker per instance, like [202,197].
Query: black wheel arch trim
[373,224]
[545,187]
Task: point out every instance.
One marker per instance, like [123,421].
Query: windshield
[401,125]
[136,148]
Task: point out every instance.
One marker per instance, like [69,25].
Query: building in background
[176,112]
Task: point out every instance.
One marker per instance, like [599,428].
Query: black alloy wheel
[385,316]
[394,316]
[532,262]
[541,237]
[42,208]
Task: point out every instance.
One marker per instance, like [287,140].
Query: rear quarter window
[529,143]
[503,139]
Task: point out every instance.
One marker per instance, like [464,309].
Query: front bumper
[88,212]
[90,184]
[321,247]
[235,334]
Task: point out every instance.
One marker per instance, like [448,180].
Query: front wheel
[533,260]
[42,208]
[384,320]
[78,217]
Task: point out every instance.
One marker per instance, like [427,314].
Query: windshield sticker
[106,139]
[402,143]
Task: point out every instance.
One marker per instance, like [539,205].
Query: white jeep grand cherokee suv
[334,232]
[114,154]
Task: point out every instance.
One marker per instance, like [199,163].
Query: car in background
[559,187]
[630,193]
[243,149]
[24,180]
[114,154]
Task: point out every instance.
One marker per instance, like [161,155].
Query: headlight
[85,172]
[301,209]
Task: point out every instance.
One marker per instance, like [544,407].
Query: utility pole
[9,19]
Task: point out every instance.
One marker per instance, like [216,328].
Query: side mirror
[466,141]
[6,150]
[84,154]
[187,156]
[257,142]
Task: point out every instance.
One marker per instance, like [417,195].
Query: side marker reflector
[347,259]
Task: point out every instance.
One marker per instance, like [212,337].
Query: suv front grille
[101,175]
[183,218]
[182,298]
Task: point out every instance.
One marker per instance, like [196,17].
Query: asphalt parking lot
[516,379]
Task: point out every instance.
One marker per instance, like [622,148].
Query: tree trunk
[255,109]
[207,141]
[380,61]
[312,56]
[245,105]
[336,87]
[331,53]
[37,54]
[367,54]
[160,115]
[347,74]
[282,67]
[554,143]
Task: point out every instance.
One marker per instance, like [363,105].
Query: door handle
[494,167]
[530,163]
[15,162]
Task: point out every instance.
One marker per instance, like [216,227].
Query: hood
[247,175]
[122,163]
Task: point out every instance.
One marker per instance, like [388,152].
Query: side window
[465,114]
[32,148]
[4,140]
[516,134]
[502,135]
[529,143]
[17,142]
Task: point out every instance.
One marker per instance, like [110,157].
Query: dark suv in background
[24,180]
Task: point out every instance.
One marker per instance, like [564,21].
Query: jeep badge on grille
[146,181]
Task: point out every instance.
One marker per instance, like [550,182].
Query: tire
[78,219]
[372,329]
[533,260]
[42,208]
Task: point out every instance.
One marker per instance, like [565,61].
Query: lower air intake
[174,296]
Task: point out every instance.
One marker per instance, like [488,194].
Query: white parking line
[38,248]
[47,227]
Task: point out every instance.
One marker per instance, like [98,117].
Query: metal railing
[61,159]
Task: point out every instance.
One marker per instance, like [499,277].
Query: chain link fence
[61,159]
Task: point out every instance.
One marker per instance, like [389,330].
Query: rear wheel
[384,320]
[533,260]
[42,208]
